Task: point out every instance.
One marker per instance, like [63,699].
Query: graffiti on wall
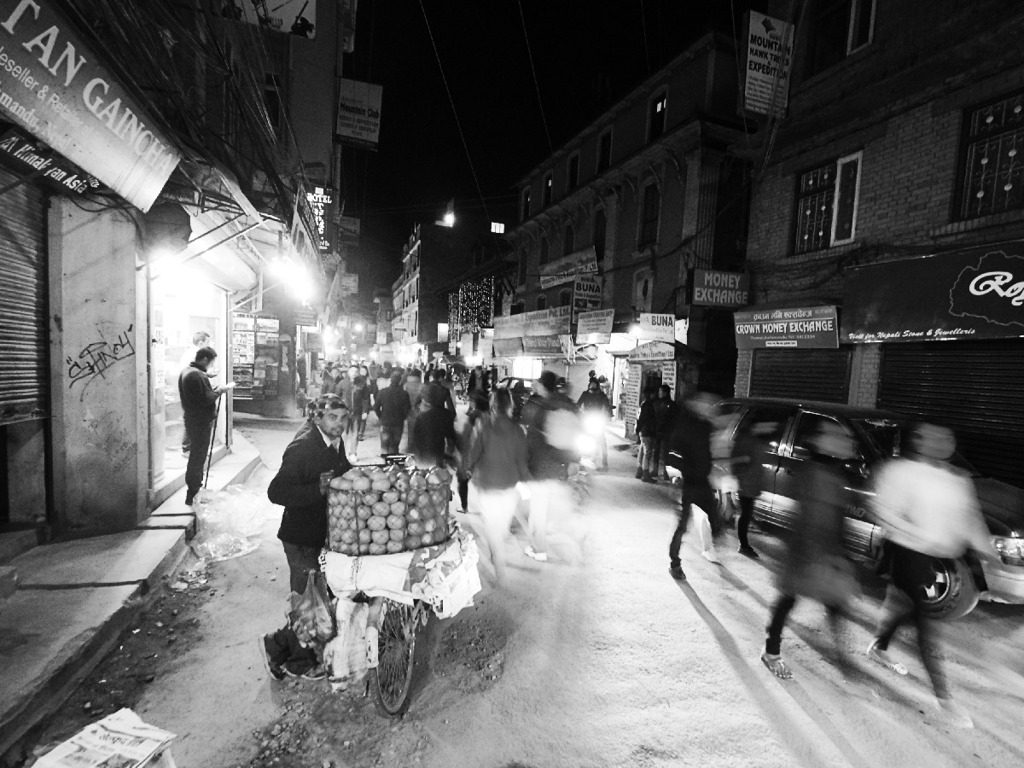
[97,358]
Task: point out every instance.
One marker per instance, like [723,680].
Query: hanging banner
[55,172]
[586,294]
[358,113]
[657,327]
[668,376]
[508,347]
[52,86]
[595,327]
[769,59]
[803,327]
[542,346]
[629,402]
[566,268]
[543,322]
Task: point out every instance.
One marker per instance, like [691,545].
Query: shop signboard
[586,294]
[52,86]
[55,172]
[653,351]
[712,288]
[543,322]
[568,267]
[348,282]
[800,327]
[769,60]
[542,346]
[358,113]
[657,327]
[668,375]
[629,401]
[508,347]
[323,205]
[595,327]
[683,330]
[976,293]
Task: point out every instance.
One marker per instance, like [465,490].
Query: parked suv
[956,585]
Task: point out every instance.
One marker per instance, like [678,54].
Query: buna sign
[976,293]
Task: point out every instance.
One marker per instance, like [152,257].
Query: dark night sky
[586,55]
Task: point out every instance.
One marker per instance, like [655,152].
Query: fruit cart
[393,545]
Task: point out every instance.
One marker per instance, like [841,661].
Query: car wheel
[950,591]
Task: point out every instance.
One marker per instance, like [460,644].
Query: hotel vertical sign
[52,85]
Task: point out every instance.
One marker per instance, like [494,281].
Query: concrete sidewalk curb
[76,599]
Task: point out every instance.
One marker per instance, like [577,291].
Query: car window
[884,435]
[808,425]
[772,423]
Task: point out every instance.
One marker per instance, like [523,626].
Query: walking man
[691,450]
[199,404]
[927,509]
[596,412]
[392,409]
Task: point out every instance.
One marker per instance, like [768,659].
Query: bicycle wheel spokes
[396,647]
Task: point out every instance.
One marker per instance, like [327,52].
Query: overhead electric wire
[536,84]
[455,112]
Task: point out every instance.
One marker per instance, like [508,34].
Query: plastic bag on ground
[228,522]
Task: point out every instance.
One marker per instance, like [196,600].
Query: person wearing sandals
[927,509]
[814,564]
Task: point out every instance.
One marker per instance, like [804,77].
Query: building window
[569,242]
[524,205]
[497,227]
[543,250]
[564,298]
[604,151]
[548,183]
[521,277]
[649,216]
[574,172]
[656,124]
[600,233]
[838,28]
[993,137]
[827,205]
[542,302]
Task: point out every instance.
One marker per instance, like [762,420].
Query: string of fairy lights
[471,307]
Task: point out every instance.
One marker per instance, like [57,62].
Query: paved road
[610,663]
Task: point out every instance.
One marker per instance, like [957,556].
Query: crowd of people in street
[517,470]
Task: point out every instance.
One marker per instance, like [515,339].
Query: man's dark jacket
[545,461]
[198,399]
[594,401]
[297,487]
[690,440]
[393,406]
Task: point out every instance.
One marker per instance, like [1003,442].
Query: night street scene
[511,383]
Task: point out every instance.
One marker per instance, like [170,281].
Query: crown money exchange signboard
[51,84]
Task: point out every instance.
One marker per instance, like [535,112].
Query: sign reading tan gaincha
[801,327]
[52,85]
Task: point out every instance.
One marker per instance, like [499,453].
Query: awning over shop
[508,347]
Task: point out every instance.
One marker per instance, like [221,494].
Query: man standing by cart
[300,485]
[199,405]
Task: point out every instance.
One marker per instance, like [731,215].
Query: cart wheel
[396,651]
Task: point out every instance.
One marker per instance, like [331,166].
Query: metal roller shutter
[973,387]
[807,374]
[23,301]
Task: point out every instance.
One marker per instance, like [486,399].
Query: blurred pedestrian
[927,509]
[433,432]
[550,438]
[747,460]
[413,387]
[392,409]
[645,430]
[596,411]
[690,450]
[664,418]
[357,415]
[497,464]
[478,407]
[814,564]
[438,380]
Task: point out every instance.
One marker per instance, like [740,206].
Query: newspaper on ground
[119,740]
